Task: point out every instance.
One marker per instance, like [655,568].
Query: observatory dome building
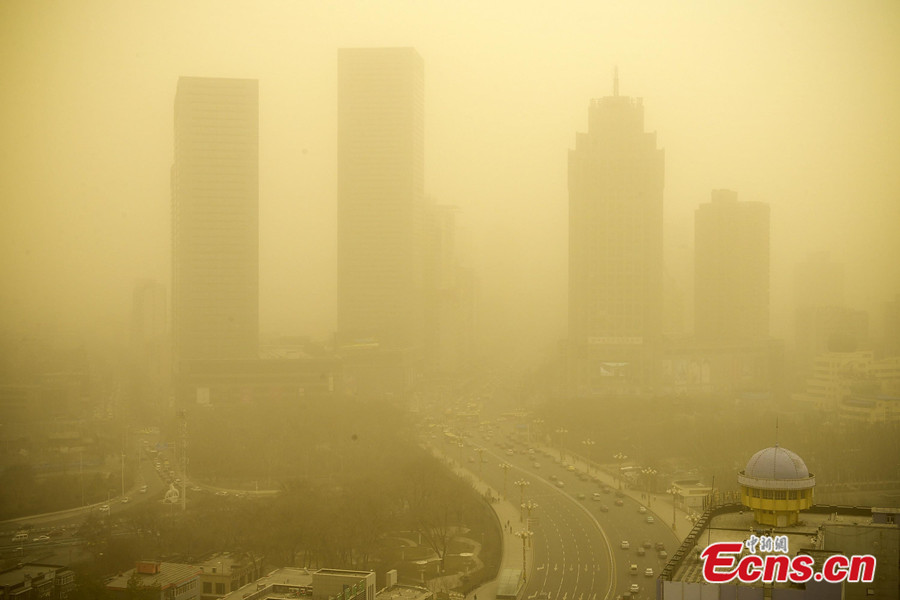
[776,485]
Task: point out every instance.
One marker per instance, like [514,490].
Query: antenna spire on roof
[776,431]
[616,81]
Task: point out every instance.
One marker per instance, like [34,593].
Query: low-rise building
[33,581]
[172,581]
[223,572]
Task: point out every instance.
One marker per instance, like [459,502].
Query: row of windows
[781,494]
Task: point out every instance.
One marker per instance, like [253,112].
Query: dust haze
[774,273]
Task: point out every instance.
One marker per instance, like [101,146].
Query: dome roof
[776,463]
[776,468]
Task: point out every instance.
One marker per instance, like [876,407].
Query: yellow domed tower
[776,485]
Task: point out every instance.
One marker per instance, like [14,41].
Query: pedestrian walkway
[508,514]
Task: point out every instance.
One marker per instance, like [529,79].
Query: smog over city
[440,299]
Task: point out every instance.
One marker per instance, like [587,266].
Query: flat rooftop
[277,584]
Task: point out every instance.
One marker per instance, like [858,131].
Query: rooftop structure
[175,581]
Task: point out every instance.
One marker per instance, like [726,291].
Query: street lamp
[589,444]
[524,534]
[620,457]
[480,453]
[522,483]
[529,506]
[506,467]
[537,423]
[561,432]
[648,473]
[673,490]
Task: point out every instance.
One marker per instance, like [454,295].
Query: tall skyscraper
[616,175]
[731,269]
[381,198]
[215,219]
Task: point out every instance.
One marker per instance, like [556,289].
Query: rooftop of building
[733,522]
[18,574]
[404,592]
[281,583]
[167,574]
[776,463]
[224,562]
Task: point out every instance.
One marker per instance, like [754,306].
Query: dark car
[619,502]
[604,508]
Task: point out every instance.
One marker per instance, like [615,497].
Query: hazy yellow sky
[792,103]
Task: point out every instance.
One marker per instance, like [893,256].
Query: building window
[792,495]
[220,588]
[780,495]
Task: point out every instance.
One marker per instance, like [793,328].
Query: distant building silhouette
[381,198]
[616,175]
[215,219]
[731,269]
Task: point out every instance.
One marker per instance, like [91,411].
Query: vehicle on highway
[647,544]
[649,518]
[104,508]
[642,509]
[641,551]
[620,494]
[21,536]
[633,569]
[126,500]
[559,483]
[41,538]
[604,508]
[196,488]
[221,493]
[625,545]
[570,468]
[536,465]
[581,496]
[597,496]
[619,502]
[143,489]
[662,555]
[648,572]
[635,588]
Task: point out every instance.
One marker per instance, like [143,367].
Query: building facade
[731,269]
[215,219]
[381,197]
[616,176]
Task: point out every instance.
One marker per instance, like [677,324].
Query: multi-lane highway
[578,526]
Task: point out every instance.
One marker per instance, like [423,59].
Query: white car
[41,538]
[649,519]
[126,500]
[635,588]
[648,572]
[642,509]
[104,508]
[625,545]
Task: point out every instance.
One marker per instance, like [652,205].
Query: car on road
[126,500]
[559,483]
[41,538]
[620,494]
[648,572]
[536,465]
[647,544]
[597,496]
[581,496]
[221,493]
[143,489]
[604,508]
[649,518]
[662,555]
[660,546]
[641,551]
[619,502]
[635,588]
[642,509]
[570,468]
[196,488]
[510,452]
[625,545]
[104,508]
